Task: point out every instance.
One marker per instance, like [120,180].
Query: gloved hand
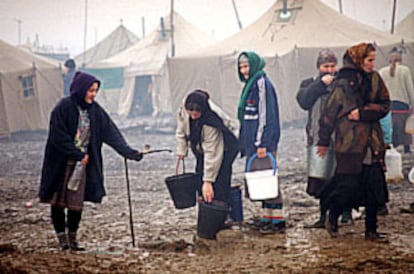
[136,156]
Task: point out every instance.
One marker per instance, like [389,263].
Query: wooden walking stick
[131,222]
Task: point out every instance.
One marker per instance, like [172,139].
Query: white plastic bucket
[262,184]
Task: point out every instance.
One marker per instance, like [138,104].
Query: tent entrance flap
[142,101]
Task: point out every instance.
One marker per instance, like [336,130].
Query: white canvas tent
[119,39]
[405,27]
[144,65]
[289,41]
[30,86]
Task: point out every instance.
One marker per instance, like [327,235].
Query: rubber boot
[73,244]
[63,240]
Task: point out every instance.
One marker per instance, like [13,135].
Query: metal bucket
[321,168]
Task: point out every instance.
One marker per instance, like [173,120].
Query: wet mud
[165,237]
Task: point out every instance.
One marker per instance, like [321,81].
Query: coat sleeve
[113,137]
[329,116]
[181,132]
[213,148]
[309,91]
[268,128]
[379,105]
[408,85]
[60,135]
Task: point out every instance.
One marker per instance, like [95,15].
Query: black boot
[63,240]
[73,244]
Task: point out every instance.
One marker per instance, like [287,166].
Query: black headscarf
[198,100]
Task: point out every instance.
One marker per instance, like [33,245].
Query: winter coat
[353,139]
[60,147]
[214,142]
[311,96]
[260,125]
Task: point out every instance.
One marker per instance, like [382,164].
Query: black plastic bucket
[236,204]
[182,189]
[211,217]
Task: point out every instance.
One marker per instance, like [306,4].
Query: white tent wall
[290,48]
[48,79]
[219,76]
[23,113]
[405,27]
[26,110]
[4,124]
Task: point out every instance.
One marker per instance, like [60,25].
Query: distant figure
[399,82]
[69,73]
[311,97]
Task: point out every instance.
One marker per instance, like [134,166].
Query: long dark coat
[60,147]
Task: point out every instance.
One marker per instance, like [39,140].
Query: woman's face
[244,69]
[91,93]
[194,114]
[369,62]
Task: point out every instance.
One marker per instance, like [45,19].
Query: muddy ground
[164,236]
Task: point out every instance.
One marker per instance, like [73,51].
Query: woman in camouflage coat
[353,110]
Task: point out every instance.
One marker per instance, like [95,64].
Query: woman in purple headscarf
[78,128]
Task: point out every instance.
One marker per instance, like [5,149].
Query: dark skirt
[315,186]
[367,188]
[66,198]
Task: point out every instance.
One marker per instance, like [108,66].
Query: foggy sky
[60,23]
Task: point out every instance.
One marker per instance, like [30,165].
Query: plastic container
[409,125]
[182,189]
[262,184]
[393,162]
[211,217]
[411,175]
[321,168]
[236,204]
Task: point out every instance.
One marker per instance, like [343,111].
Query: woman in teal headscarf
[258,113]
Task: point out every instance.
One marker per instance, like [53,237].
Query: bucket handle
[254,156]
[178,165]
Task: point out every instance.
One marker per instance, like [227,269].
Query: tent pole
[340,6]
[237,14]
[172,29]
[84,32]
[393,16]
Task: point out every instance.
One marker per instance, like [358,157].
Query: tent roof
[118,40]
[150,53]
[15,59]
[310,24]
[405,27]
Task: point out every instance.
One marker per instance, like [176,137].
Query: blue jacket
[260,125]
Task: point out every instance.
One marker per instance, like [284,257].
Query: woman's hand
[208,192]
[261,152]
[354,115]
[321,151]
[85,160]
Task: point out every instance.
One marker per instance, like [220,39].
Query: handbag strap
[254,156]
[178,165]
